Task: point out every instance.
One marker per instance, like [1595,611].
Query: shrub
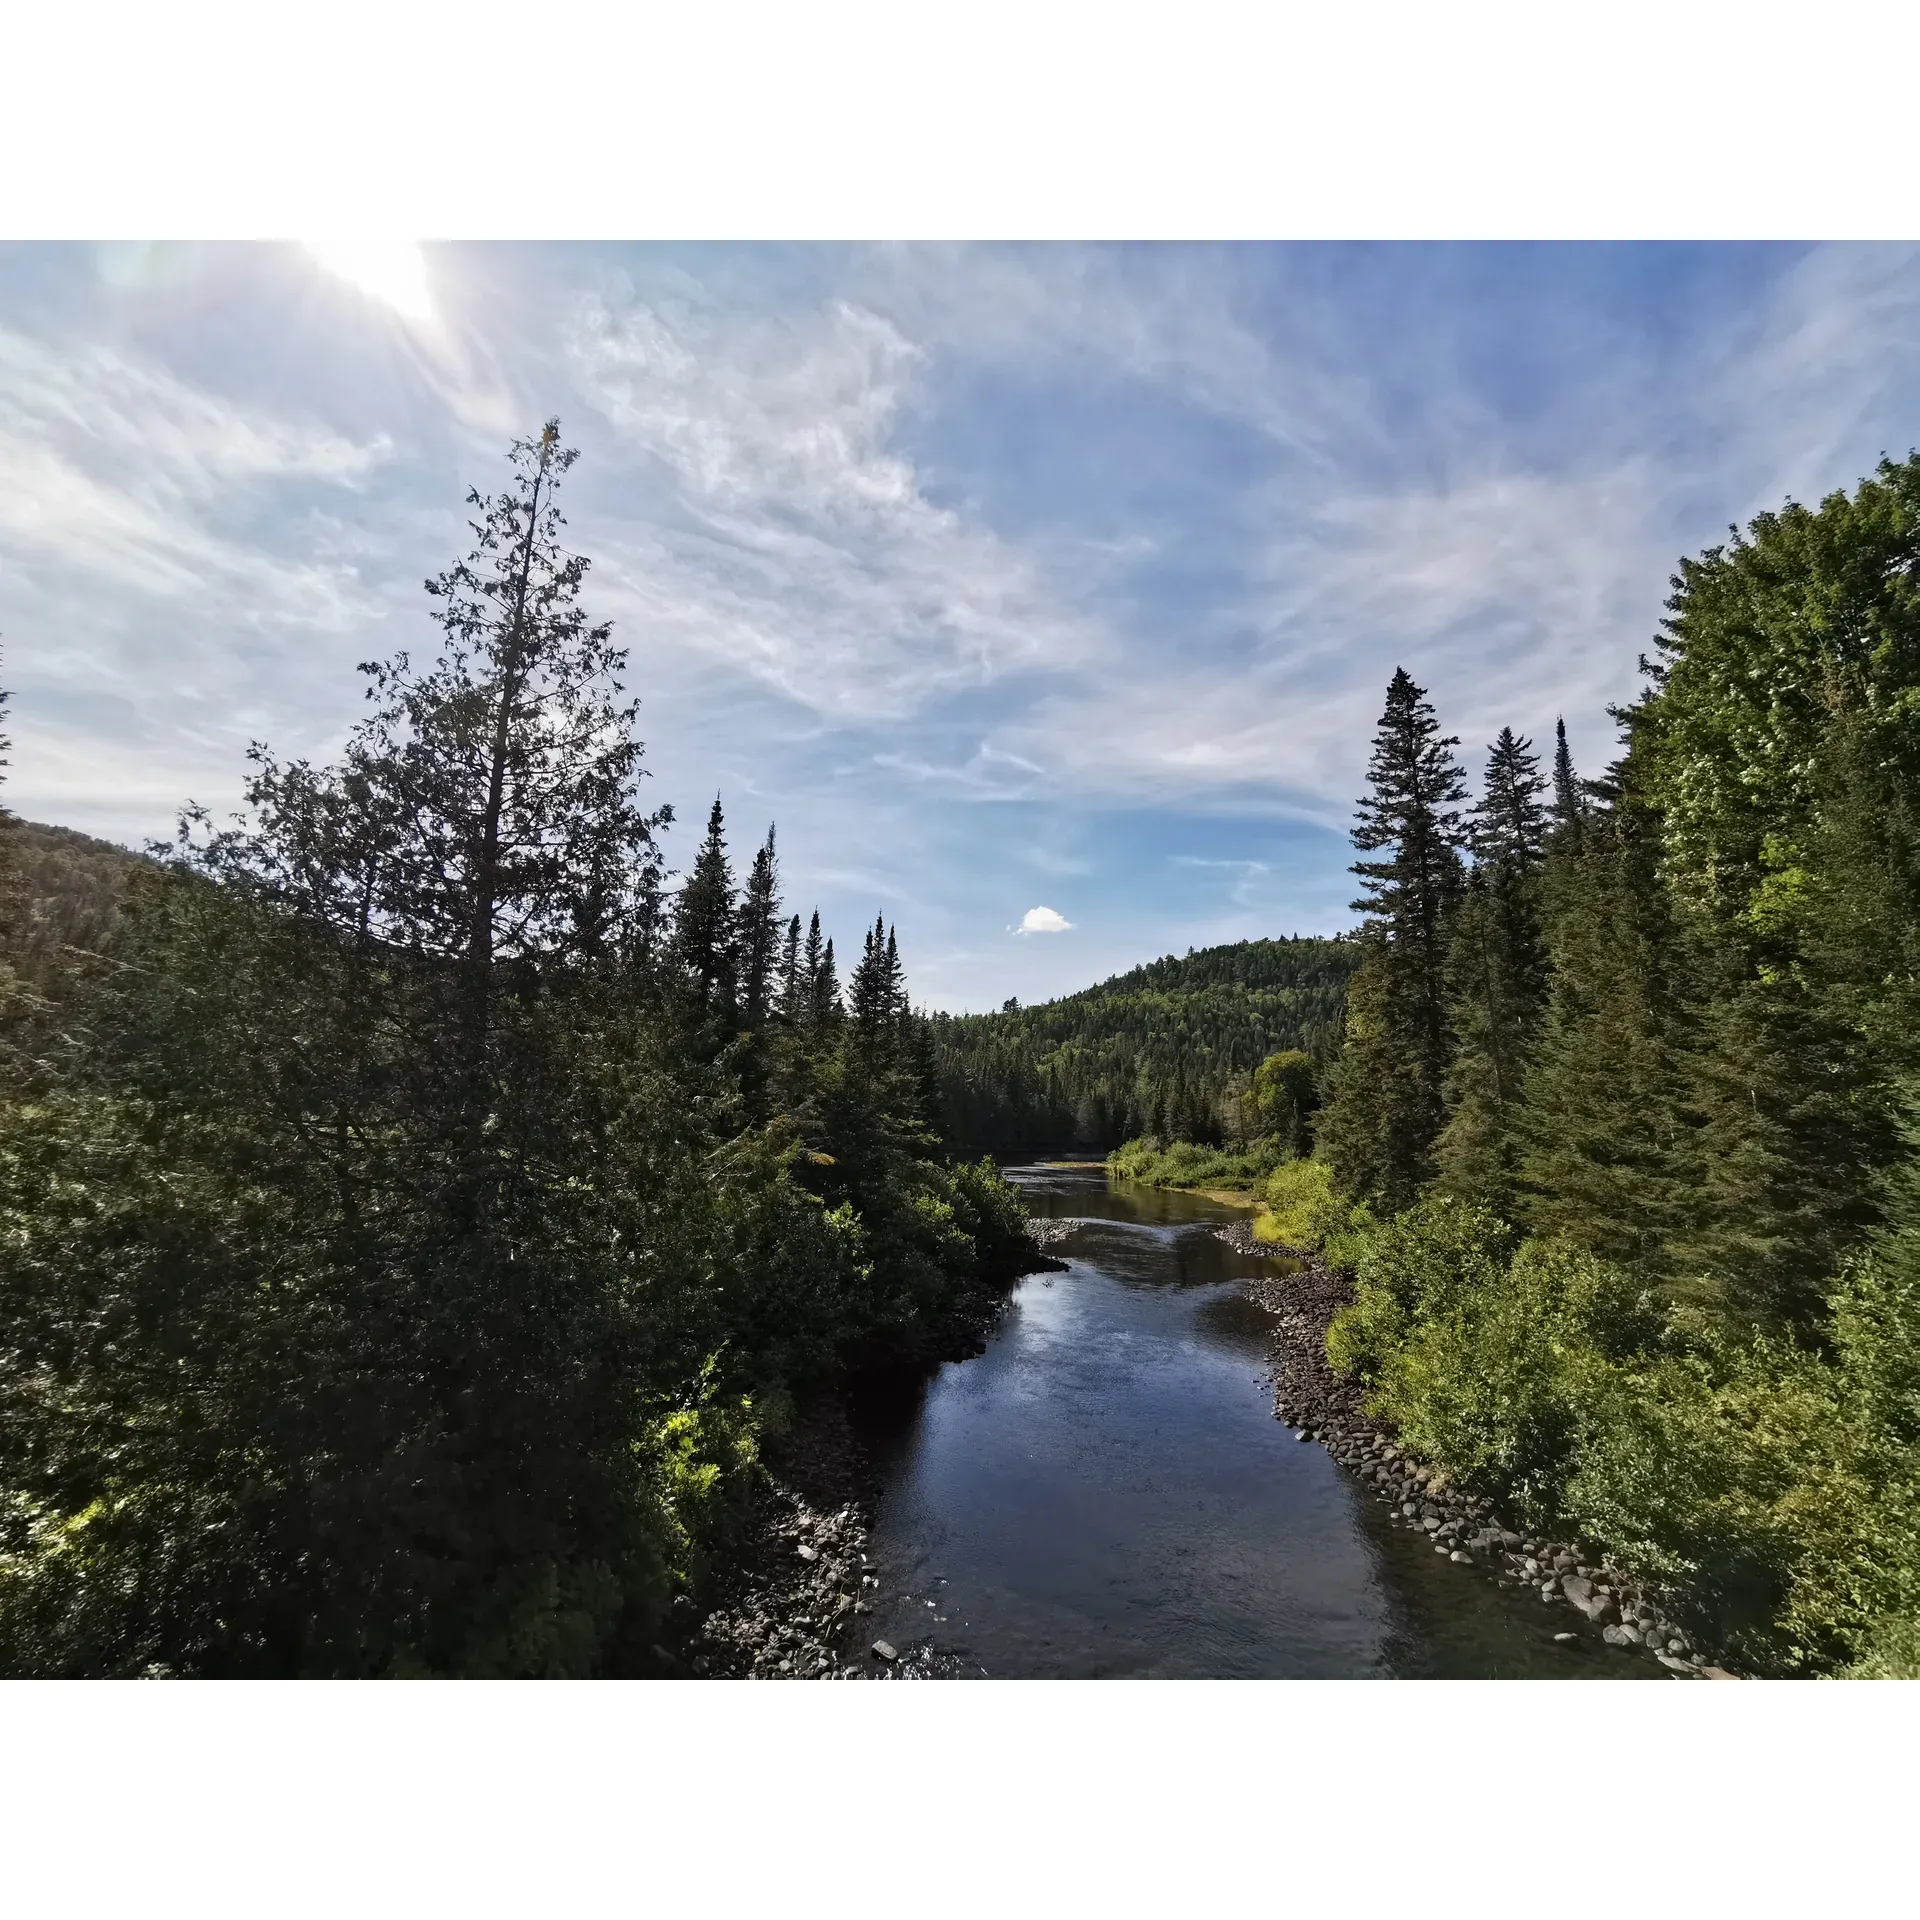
[1299,1208]
[1183,1164]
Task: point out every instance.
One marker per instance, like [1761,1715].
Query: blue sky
[1002,578]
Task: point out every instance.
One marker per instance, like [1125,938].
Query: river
[1104,1492]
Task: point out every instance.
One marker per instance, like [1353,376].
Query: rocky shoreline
[1323,1407]
[793,1605]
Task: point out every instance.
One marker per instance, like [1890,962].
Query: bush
[1779,1487]
[1299,1209]
[1183,1164]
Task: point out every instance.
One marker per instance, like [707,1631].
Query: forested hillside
[1167,1049]
[414,1213]
[1621,1144]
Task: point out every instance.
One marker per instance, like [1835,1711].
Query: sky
[1045,597]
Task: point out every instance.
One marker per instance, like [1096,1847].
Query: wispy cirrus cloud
[978,568]
[788,535]
[116,468]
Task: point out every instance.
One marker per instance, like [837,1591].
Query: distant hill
[61,893]
[1165,1048]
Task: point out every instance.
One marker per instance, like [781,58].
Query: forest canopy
[1167,1050]
[414,1212]
[1621,1139]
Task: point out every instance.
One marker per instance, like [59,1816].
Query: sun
[391,271]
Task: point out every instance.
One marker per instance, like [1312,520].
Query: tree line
[1167,1051]
[1621,1138]
[414,1214]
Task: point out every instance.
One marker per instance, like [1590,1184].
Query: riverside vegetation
[413,1221]
[1620,1152]
[1167,1051]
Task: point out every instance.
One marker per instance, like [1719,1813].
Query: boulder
[883,1651]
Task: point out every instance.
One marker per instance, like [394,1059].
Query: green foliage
[1183,1163]
[1300,1209]
[1166,1050]
[1609,1151]
[1383,1110]
[421,1226]
[1284,1098]
[1496,981]
[1702,976]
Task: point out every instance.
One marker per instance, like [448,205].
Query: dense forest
[1167,1050]
[1621,1143]
[414,1213]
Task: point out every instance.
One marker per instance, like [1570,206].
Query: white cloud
[1043,920]
[787,535]
[122,472]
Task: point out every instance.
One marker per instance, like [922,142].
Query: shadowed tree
[1387,1100]
[1497,973]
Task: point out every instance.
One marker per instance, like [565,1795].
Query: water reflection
[1104,1490]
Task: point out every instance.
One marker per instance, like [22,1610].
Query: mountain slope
[1165,1048]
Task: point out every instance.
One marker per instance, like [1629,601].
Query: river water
[1105,1492]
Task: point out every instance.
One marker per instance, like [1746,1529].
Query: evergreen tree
[1497,975]
[1807,1035]
[757,939]
[1609,1158]
[756,942]
[823,982]
[1569,805]
[1387,1102]
[789,1002]
[706,929]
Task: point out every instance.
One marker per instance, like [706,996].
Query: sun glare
[391,271]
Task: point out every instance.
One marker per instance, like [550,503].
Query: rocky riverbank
[795,1601]
[795,1597]
[1303,1295]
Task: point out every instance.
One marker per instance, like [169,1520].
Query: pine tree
[1569,805]
[706,931]
[788,1003]
[1610,1159]
[757,938]
[1497,976]
[1807,1035]
[824,982]
[393,1093]
[1383,1154]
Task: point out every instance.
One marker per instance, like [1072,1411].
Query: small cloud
[1043,920]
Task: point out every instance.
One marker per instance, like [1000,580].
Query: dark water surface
[1105,1490]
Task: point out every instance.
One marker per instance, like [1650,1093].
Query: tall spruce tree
[1569,804]
[1808,1034]
[1388,1101]
[1497,973]
[787,1001]
[706,944]
[1610,1158]
[823,981]
[756,943]
[758,937]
